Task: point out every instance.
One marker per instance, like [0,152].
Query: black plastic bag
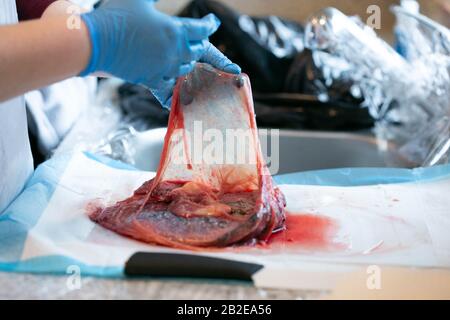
[140,108]
[288,88]
[264,47]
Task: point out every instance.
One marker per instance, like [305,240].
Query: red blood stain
[309,231]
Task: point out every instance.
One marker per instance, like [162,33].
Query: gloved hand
[134,41]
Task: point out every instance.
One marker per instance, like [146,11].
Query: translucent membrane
[212,188]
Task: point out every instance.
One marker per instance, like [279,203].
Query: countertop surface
[26,286]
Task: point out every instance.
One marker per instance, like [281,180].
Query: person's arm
[128,39]
[38,53]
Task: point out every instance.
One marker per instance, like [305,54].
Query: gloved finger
[163,93]
[186,68]
[168,103]
[194,53]
[198,49]
[173,71]
[200,29]
[217,59]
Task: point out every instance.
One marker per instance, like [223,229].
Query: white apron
[16,161]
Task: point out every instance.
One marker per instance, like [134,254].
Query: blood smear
[309,231]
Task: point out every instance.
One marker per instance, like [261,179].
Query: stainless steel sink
[307,150]
[298,151]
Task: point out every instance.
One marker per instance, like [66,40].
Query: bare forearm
[40,52]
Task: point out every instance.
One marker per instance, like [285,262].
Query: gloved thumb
[163,92]
[200,29]
[217,59]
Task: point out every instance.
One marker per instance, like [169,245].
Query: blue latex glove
[134,41]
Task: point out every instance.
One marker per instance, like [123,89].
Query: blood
[309,231]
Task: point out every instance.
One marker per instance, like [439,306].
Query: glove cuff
[95,43]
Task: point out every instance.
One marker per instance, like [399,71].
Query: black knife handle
[188,266]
